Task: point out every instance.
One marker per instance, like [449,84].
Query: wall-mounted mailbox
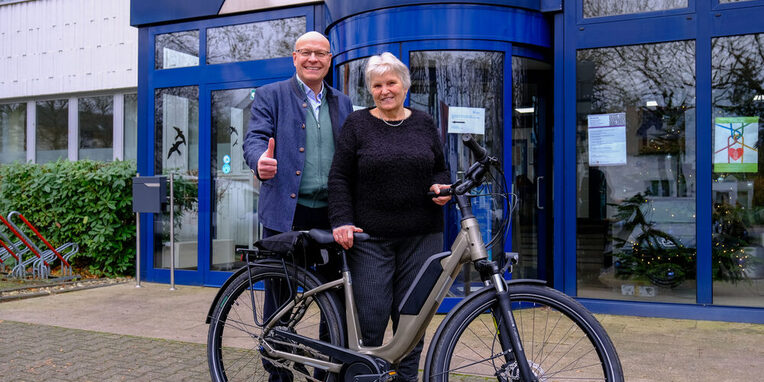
[149,193]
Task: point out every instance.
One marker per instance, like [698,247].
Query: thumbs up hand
[266,165]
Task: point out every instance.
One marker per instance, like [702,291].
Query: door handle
[538,192]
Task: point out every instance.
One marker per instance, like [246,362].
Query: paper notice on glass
[464,120]
[607,139]
[735,140]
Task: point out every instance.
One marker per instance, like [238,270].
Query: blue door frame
[207,78]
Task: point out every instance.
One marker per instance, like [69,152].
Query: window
[254,41]
[96,127]
[52,131]
[13,132]
[130,137]
[598,8]
[353,83]
[738,177]
[176,50]
[636,172]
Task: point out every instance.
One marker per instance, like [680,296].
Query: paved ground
[32,352]
[120,333]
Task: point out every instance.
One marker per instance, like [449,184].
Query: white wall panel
[50,47]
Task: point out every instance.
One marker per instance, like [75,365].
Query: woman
[386,160]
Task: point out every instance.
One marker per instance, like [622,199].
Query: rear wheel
[236,327]
[561,339]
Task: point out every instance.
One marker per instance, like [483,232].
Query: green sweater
[319,150]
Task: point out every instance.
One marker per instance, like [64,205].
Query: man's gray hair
[384,63]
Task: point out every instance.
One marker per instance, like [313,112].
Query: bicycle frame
[467,247]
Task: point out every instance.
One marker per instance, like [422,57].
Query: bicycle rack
[19,270]
[41,265]
[10,251]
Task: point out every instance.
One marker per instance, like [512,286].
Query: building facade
[68,84]
[628,130]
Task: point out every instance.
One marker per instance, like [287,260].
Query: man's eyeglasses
[307,53]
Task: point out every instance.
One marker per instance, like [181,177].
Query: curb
[47,290]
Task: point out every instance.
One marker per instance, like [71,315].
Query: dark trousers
[277,291]
[383,269]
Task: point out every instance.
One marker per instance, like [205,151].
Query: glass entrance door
[234,190]
[513,97]
[176,131]
[448,84]
[532,166]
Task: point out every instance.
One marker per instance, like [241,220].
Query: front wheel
[561,339]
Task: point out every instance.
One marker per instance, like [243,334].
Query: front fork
[509,336]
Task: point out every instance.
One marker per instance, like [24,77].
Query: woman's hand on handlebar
[440,200]
[343,235]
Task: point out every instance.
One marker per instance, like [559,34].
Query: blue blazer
[279,111]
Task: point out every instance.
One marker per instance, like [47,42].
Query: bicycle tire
[234,338]
[562,340]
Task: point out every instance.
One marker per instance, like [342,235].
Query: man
[289,146]
[290,141]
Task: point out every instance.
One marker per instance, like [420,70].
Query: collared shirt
[313,98]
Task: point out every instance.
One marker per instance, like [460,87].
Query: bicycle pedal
[384,377]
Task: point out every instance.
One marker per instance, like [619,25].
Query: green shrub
[86,202]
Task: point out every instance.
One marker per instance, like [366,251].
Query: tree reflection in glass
[13,132]
[175,50]
[636,221]
[52,130]
[353,83]
[254,41]
[96,127]
[598,8]
[444,79]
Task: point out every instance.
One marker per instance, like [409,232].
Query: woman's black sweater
[381,174]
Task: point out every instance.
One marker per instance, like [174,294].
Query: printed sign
[464,120]
[735,141]
[607,139]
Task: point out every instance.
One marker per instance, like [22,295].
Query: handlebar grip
[479,152]
[443,192]
[361,236]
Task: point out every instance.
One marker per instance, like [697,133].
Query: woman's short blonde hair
[384,63]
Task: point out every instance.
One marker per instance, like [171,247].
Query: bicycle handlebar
[474,175]
[480,153]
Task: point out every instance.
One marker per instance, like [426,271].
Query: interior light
[525,110]
[758,97]
[651,104]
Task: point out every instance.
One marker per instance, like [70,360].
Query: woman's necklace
[391,124]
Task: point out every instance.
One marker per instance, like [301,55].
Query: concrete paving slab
[151,311]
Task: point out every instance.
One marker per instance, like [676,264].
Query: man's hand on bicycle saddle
[343,235]
[440,200]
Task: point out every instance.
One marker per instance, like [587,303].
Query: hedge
[86,202]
